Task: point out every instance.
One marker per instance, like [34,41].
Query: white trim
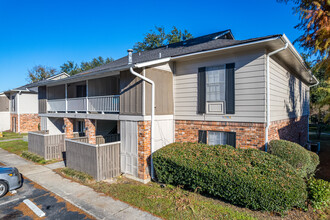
[153,62]
[225,48]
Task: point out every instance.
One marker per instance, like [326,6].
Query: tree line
[153,39]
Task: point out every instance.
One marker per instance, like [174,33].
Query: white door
[129,148]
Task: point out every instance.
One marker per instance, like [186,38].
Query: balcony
[102,104]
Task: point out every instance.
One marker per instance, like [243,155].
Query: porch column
[91,130]
[68,122]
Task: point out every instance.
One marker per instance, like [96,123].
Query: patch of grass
[82,177]
[16,147]
[168,202]
[11,135]
[33,157]
[20,148]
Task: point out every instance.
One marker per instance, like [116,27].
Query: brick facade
[294,130]
[91,130]
[68,122]
[29,122]
[248,135]
[144,150]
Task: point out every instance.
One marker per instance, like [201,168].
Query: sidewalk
[85,198]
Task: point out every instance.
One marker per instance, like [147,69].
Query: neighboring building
[19,108]
[211,89]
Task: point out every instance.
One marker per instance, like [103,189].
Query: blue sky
[50,32]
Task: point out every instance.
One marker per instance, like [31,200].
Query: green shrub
[33,157]
[250,178]
[319,193]
[83,177]
[302,160]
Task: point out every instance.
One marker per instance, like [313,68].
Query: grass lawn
[11,135]
[16,147]
[19,146]
[170,202]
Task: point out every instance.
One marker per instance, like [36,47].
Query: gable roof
[30,87]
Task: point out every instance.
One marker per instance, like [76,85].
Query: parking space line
[34,208]
[14,200]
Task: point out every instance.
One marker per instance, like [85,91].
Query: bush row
[33,157]
[250,178]
[304,161]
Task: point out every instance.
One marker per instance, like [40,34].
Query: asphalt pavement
[12,206]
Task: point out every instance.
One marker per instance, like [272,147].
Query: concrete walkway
[15,139]
[85,198]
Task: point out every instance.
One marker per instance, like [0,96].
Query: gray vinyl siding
[249,87]
[289,96]
[4,103]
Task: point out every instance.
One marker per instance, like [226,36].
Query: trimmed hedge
[304,161]
[319,193]
[250,178]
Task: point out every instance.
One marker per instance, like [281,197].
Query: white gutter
[268,91]
[153,62]
[18,115]
[152,108]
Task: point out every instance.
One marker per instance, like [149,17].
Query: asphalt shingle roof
[198,44]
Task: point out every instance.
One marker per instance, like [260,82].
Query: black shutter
[202,137]
[201,90]
[231,138]
[230,88]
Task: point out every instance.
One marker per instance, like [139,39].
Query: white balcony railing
[77,104]
[56,105]
[90,104]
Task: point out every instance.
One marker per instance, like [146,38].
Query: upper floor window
[13,104]
[216,89]
[215,83]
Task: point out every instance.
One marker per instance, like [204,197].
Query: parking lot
[12,206]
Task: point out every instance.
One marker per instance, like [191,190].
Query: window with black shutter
[217,138]
[216,89]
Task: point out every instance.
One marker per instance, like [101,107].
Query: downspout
[130,62]
[18,115]
[268,91]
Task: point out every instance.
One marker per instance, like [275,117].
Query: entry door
[81,128]
[129,148]
[13,124]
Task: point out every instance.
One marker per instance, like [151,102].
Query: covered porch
[93,96]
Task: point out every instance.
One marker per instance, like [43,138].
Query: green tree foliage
[72,68]
[320,99]
[40,72]
[158,37]
[315,22]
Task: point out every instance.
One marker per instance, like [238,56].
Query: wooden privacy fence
[46,145]
[107,138]
[99,161]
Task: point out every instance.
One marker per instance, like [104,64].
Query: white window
[13,103]
[216,83]
[217,138]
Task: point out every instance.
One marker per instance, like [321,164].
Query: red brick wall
[295,130]
[29,122]
[68,122]
[144,151]
[248,135]
[91,131]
